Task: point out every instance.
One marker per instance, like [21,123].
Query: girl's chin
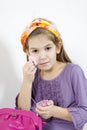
[45,68]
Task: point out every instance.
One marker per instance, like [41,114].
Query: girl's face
[44,50]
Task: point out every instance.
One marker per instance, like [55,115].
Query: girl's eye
[48,48]
[35,51]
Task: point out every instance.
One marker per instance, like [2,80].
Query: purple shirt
[67,90]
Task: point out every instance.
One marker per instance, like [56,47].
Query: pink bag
[14,119]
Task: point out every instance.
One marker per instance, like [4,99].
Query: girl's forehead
[39,41]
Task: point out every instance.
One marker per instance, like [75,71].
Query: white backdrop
[70,16]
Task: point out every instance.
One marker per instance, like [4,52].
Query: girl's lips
[43,63]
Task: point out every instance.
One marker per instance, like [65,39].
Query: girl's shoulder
[73,67]
[75,70]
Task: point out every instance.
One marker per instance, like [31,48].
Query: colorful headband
[34,25]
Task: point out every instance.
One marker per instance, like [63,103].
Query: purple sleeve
[79,84]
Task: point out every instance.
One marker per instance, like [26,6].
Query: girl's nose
[42,54]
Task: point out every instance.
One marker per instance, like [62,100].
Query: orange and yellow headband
[34,25]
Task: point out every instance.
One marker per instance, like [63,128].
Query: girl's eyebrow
[35,48]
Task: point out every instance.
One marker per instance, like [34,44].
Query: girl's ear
[58,48]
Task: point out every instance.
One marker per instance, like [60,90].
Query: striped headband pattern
[34,25]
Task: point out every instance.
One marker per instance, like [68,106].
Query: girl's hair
[62,56]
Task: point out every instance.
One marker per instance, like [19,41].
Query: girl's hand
[47,111]
[29,70]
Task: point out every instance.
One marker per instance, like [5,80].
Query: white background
[70,16]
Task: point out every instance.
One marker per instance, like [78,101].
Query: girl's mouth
[44,63]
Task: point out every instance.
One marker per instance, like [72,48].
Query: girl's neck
[53,72]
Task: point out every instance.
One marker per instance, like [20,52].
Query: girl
[50,77]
